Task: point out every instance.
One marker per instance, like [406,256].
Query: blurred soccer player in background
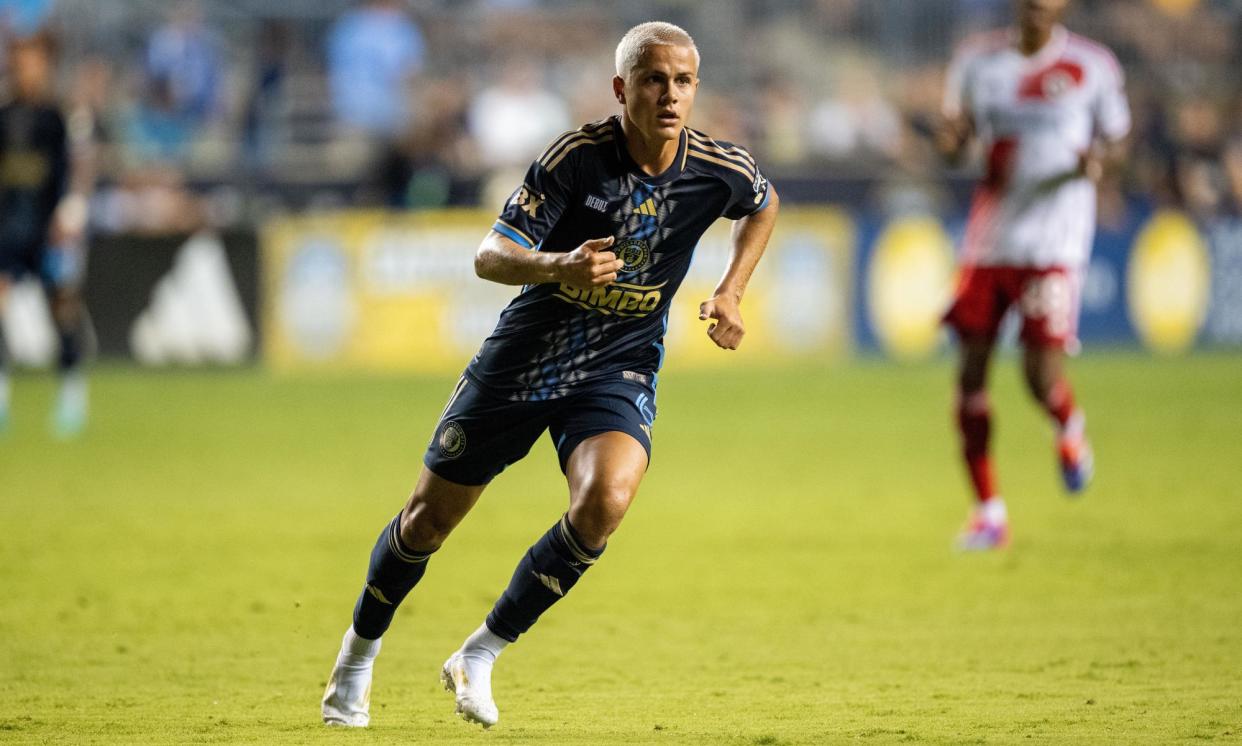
[600,236]
[46,174]
[1048,106]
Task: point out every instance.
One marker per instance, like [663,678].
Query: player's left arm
[81,169]
[1110,114]
[749,239]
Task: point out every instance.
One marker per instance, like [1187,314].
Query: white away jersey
[1035,116]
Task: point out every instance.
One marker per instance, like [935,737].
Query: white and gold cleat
[347,698]
[470,680]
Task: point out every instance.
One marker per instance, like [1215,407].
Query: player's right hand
[591,265]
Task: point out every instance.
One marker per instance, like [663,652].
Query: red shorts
[1047,298]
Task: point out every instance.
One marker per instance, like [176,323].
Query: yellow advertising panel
[1169,283]
[909,281]
[397,292]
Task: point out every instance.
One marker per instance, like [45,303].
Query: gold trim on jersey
[735,152]
[727,164]
[572,145]
[590,128]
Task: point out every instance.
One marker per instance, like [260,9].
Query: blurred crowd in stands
[224,111]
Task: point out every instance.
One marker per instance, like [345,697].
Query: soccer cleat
[1077,463]
[69,415]
[347,698]
[979,535]
[470,680]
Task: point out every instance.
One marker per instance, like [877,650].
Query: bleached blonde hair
[650,34]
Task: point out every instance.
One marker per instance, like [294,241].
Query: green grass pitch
[184,572]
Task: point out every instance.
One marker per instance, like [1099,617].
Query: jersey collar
[623,154]
[1047,54]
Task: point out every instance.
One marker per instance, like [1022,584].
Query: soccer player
[46,170]
[600,236]
[1049,108]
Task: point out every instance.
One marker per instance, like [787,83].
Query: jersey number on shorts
[1047,297]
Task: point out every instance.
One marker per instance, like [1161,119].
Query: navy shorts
[481,432]
[56,266]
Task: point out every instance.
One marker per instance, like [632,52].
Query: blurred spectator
[1233,173]
[183,59]
[23,18]
[373,111]
[513,119]
[1199,179]
[182,74]
[374,51]
[858,121]
[268,82]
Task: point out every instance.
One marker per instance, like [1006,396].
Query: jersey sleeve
[748,186]
[538,203]
[1111,111]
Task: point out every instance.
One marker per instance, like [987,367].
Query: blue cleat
[1077,463]
[69,414]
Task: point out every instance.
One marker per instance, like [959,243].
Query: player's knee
[600,506]
[423,529]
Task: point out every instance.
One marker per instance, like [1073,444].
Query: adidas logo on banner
[196,314]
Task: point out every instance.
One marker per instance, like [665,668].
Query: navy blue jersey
[552,337]
[34,161]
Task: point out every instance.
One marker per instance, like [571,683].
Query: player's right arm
[501,259]
[510,252]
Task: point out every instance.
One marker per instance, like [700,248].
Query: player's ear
[618,88]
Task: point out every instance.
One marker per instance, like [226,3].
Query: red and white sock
[974,421]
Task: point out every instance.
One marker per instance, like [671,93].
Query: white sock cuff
[355,645]
[994,511]
[484,641]
[1075,426]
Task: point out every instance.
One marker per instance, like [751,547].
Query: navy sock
[70,348]
[545,574]
[394,571]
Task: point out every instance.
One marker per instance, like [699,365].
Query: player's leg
[1047,331]
[478,435]
[1044,368]
[975,315]
[70,412]
[604,472]
[397,563]
[988,525]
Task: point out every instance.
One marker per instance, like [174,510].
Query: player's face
[1040,15]
[659,92]
[31,70]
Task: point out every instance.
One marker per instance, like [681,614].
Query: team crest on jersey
[635,253]
[528,201]
[643,213]
[1051,82]
[452,440]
